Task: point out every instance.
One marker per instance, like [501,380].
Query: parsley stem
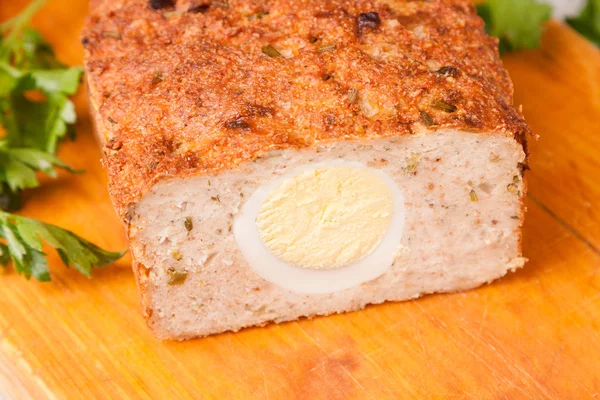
[24,17]
[16,26]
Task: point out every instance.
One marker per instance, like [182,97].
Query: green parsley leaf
[4,255]
[37,53]
[518,24]
[35,110]
[18,166]
[63,81]
[23,247]
[35,115]
[588,22]
[10,200]
[10,43]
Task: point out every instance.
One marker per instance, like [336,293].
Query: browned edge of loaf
[177,93]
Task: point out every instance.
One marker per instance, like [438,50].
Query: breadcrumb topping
[187,88]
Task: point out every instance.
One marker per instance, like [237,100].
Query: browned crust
[180,93]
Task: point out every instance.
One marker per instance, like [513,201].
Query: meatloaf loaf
[274,159]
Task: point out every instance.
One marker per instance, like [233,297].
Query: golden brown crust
[181,93]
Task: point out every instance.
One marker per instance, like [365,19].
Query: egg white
[311,281]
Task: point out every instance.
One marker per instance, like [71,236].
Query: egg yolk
[327,217]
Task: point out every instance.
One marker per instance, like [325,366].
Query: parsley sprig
[23,247]
[518,24]
[35,115]
[35,110]
[588,22]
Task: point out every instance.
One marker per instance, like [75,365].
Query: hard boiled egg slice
[323,227]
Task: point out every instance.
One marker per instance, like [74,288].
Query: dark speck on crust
[448,70]
[368,21]
[200,8]
[238,123]
[256,110]
[160,4]
[329,121]
[114,144]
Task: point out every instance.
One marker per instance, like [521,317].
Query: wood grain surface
[532,335]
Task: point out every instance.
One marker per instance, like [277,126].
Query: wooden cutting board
[532,335]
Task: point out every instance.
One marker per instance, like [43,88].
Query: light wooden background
[532,335]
